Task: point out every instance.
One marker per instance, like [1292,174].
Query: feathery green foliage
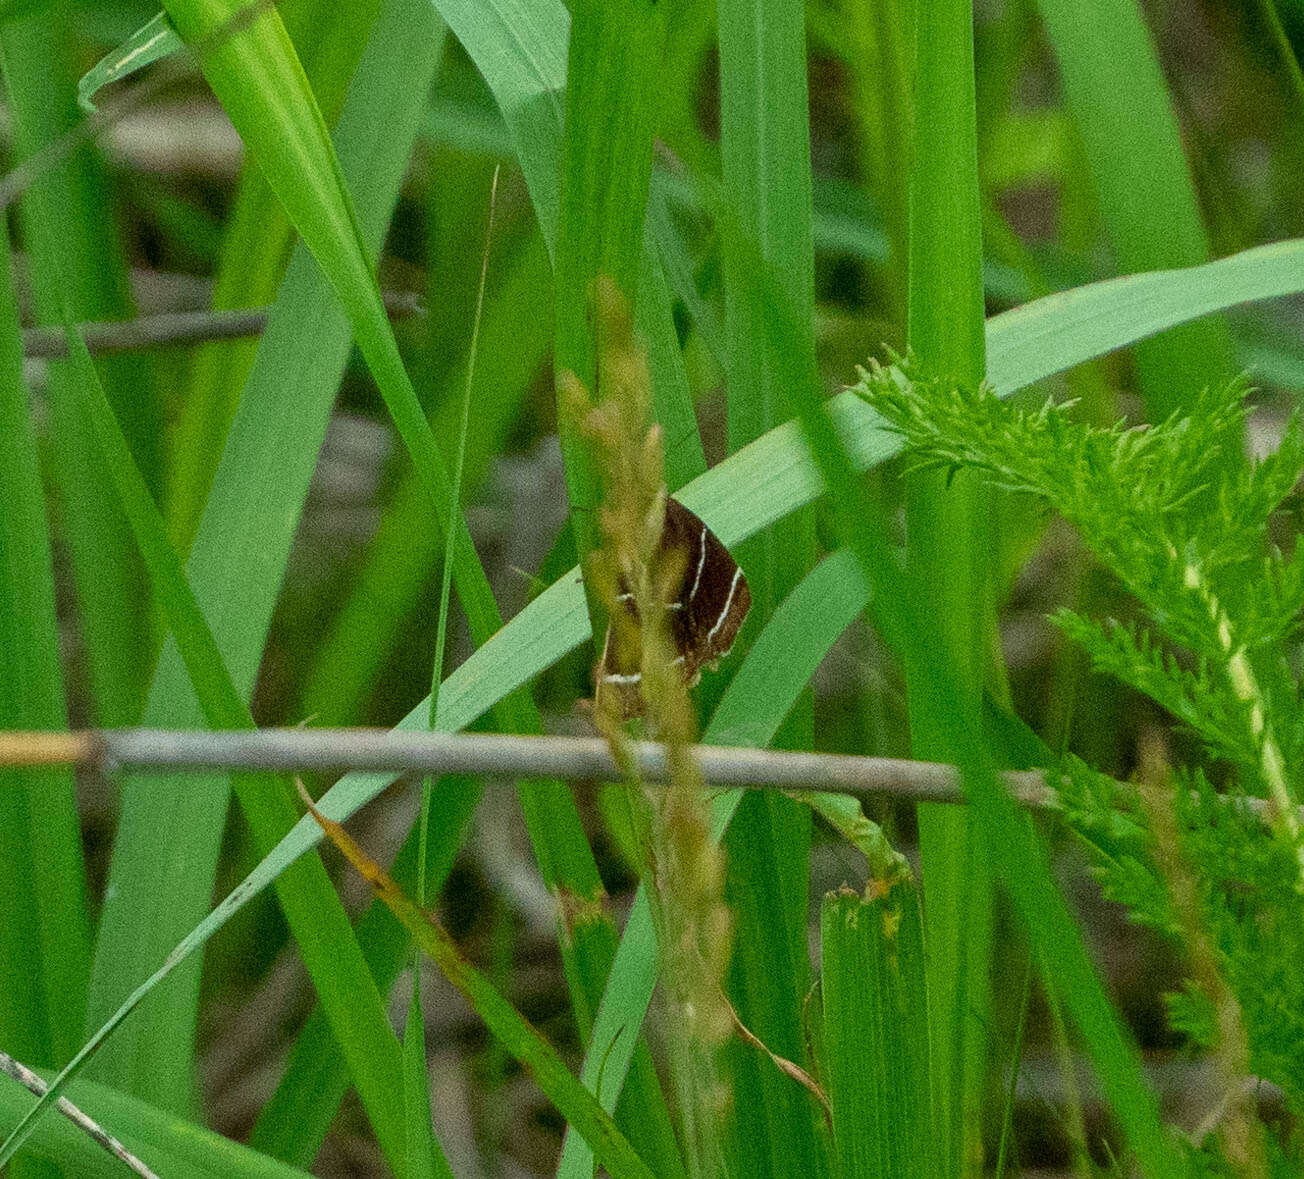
[1182,521]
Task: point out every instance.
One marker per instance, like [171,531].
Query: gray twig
[493,755]
[31,1082]
[176,328]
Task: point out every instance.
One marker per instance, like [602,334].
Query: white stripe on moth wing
[632,678]
[624,597]
[719,622]
[701,560]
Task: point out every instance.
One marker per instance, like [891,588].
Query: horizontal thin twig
[176,328]
[497,755]
[489,754]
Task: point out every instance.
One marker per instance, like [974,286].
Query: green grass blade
[613,83]
[520,48]
[766,174]
[44,926]
[751,489]
[424,1158]
[167,1143]
[875,1033]
[114,614]
[259,491]
[255,250]
[1115,89]
[948,529]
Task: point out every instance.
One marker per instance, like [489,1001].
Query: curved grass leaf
[254,253]
[776,473]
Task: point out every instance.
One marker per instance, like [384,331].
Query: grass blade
[766,174]
[875,1033]
[612,87]
[948,530]
[44,925]
[1115,89]
[169,1144]
[255,250]
[114,614]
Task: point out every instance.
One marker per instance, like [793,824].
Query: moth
[705,609]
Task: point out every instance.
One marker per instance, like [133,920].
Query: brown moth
[705,611]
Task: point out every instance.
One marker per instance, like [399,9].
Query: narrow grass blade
[113,612]
[255,251]
[948,533]
[1115,89]
[613,84]
[424,1158]
[750,490]
[875,1033]
[766,174]
[151,901]
[44,925]
[540,1059]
